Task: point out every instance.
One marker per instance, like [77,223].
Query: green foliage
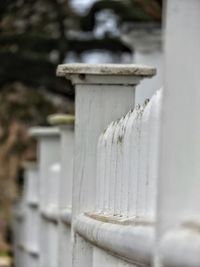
[33,41]
[34,36]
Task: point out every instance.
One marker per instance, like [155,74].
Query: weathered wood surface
[66,127]
[103,93]
[49,176]
[179,183]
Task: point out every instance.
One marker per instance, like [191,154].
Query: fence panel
[179,174]
[126,180]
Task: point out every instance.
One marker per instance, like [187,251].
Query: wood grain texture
[49,160]
[96,106]
[65,199]
[179,172]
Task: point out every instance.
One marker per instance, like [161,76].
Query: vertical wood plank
[103,93]
[179,172]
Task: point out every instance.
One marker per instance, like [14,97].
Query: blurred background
[36,36]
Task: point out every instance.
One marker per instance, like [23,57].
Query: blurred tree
[33,41]
[127,10]
[35,37]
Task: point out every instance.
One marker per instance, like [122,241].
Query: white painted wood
[103,258]
[31,189]
[49,175]
[67,150]
[103,93]
[153,111]
[179,195]
[114,179]
[146,41]
[127,158]
[52,207]
[129,240]
[53,185]
[67,156]
[31,236]
[66,126]
[114,186]
[97,102]
[26,215]
[133,134]
[18,231]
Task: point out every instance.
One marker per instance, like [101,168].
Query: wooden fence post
[31,234]
[66,126]
[103,93]
[179,175]
[49,175]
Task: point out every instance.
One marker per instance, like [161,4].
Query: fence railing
[91,198]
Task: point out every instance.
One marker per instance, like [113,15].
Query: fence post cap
[105,69]
[61,119]
[44,131]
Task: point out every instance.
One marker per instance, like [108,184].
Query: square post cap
[39,132]
[104,73]
[61,119]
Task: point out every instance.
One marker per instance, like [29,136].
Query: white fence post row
[179,185]
[49,179]
[31,227]
[103,93]
[66,126]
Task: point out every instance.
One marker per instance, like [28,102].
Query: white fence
[122,195]
[123,189]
